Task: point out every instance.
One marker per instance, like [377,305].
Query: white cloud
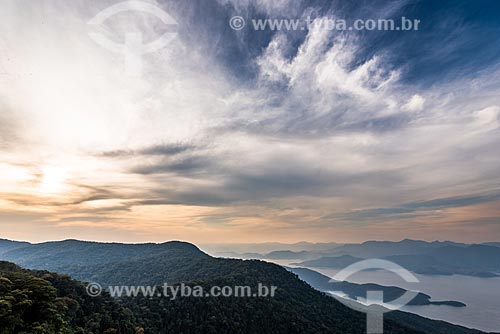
[274,7]
[416,103]
[487,118]
[322,76]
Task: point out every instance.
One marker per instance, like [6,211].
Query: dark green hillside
[59,256]
[296,308]
[47,303]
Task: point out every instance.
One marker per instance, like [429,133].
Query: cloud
[160,149]
[419,208]
[184,166]
[264,130]
[416,103]
[326,89]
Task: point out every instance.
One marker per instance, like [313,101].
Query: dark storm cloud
[234,187]
[94,219]
[161,149]
[416,209]
[182,166]
[167,149]
[296,124]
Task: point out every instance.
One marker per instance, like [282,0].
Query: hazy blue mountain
[331,261]
[473,257]
[239,255]
[264,248]
[494,244]
[335,262]
[290,255]
[274,255]
[472,260]
[368,249]
[424,264]
[371,249]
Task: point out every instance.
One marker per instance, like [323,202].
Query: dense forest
[40,302]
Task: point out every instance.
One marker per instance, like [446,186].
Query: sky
[230,136]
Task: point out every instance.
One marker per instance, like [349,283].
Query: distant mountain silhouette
[370,249]
[494,244]
[264,248]
[440,259]
[433,258]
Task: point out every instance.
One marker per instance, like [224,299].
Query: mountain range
[296,308]
[430,258]
[471,260]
